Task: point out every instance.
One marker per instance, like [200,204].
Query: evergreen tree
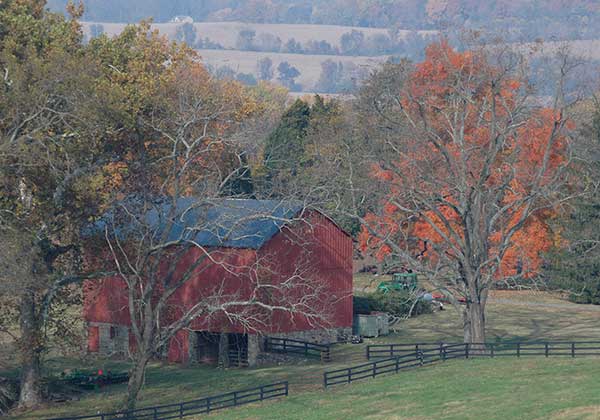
[284,148]
[576,265]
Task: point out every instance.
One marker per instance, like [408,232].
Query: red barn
[248,241]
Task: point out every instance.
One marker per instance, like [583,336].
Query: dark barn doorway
[238,350]
[207,347]
[231,347]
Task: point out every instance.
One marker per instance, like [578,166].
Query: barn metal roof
[232,223]
[236,223]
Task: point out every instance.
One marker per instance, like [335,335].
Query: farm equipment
[399,282]
[93,380]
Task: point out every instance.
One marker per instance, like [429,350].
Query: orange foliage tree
[471,177]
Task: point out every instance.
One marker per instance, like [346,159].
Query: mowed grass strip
[534,388]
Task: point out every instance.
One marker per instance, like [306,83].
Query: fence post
[573,349]
[208,405]
[325,380]
[491,349]
[181,410]
[306,349]
[441,348]
[155,413]
[397,364]
[368,352]
[443,351]
[349,375]
[326,355]
[546,349]
[287,387]
[284,346]
[518,349]
[374,368]
[466,350]
[235,398]
[421,359]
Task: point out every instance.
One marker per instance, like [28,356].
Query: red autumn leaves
[442,176]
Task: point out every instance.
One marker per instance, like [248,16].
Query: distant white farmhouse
[182,19]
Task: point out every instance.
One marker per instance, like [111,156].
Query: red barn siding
[105,301]
[179,347]
[93,339]
[317,242]
[329,252]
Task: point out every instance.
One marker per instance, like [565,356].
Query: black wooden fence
[285,345]
[195,407]
[372,369]
[518,349]
[393,364]
[391,358]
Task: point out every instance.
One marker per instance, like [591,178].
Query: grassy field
[462,389]
[524,316]
[225,33]
[308,65]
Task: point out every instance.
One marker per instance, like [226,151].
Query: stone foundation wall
[326,336]
[112,344]
[256,344]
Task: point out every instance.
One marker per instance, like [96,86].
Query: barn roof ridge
[246,223]
[238,222]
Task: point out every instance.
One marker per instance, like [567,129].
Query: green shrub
[397,303]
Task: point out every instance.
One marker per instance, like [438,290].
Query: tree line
[352,43]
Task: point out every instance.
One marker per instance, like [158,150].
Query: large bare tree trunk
[476,317]
[466,325]
[31,392]
[136,381]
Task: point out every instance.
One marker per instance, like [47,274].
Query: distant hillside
[346,71]
[226,33]
[325,73]
[519,19]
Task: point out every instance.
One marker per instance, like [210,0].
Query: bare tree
[180,218]
[467,166]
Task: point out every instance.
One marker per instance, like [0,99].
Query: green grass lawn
[461,389]
[517,320]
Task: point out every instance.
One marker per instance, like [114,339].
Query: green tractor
[399,282]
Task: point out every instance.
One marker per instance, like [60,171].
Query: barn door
[207,347]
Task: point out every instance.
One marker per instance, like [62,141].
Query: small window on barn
[113,332]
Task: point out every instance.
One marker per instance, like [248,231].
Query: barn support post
[192,355]
[253,349]
[224,350]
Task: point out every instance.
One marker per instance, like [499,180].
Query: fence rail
[195,407]
[391,358]
[308,349]
[373,369]
[518,349]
